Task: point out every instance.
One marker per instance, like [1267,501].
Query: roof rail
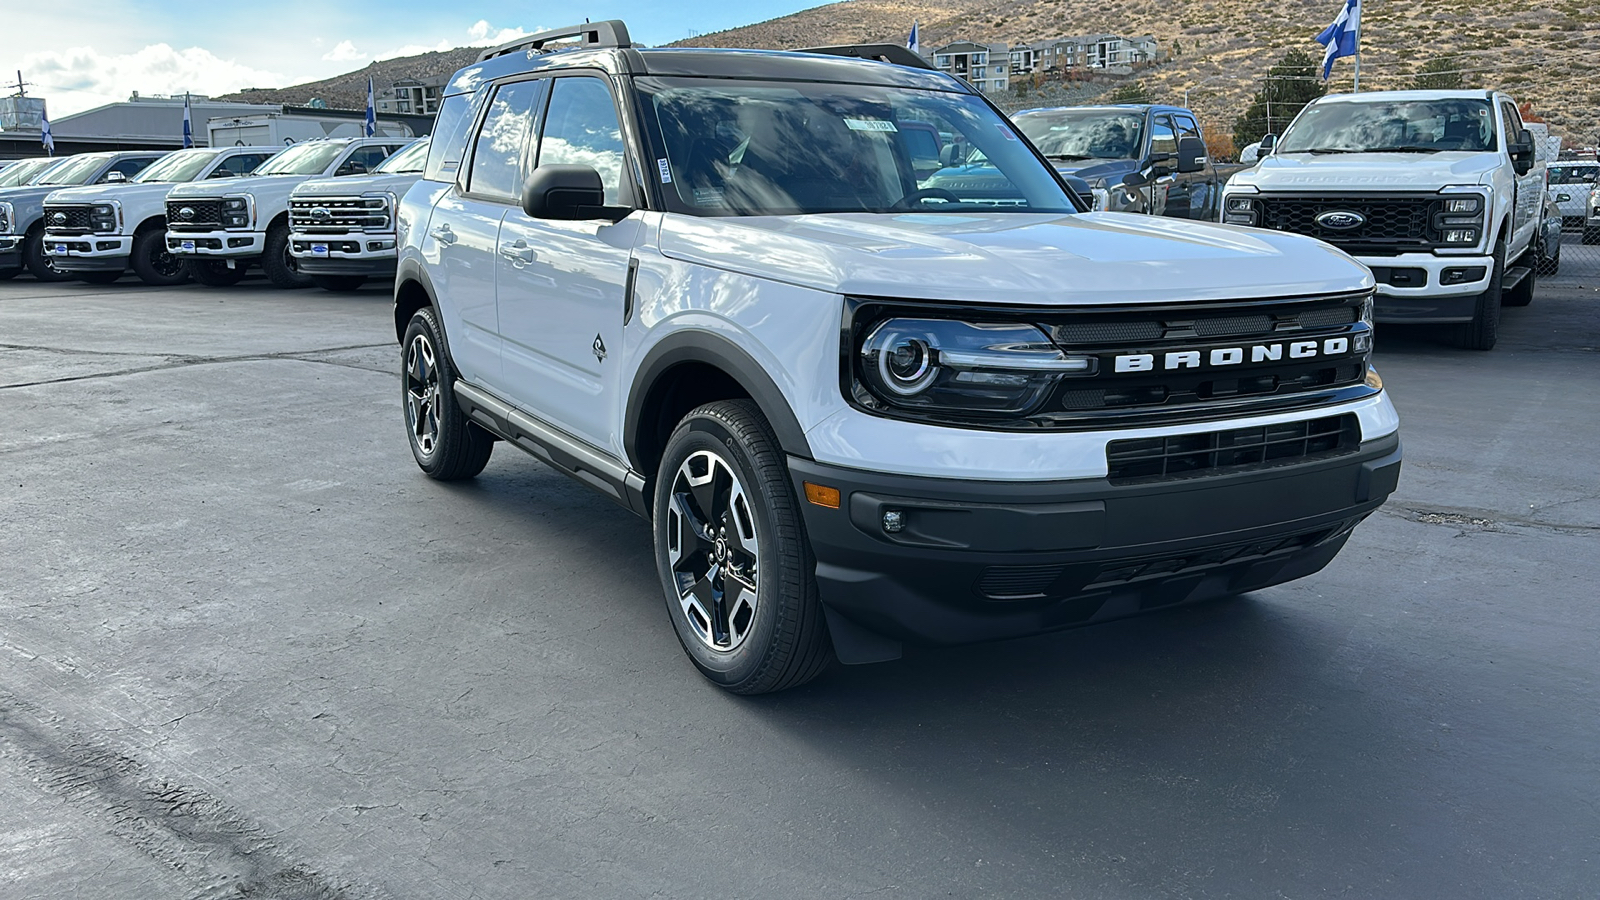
[889,53]
[609,33]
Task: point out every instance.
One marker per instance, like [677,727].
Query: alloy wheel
[713,549]
[422,394]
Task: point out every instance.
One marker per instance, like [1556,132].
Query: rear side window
[496,172]
[450,137]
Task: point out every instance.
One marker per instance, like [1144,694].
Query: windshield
[25,171]
[1412,126]
[407,159]
[310,158]
[185,165]
[735,148]
[78,170]
[1084,133]
[1569,174]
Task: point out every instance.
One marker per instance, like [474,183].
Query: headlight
[1462,236]
[235,203]
[5,217]
[950,365]
[235,212]
[1463,205]
[1239,211]
[103,217]
[1102,199]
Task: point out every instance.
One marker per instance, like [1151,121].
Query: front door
[561,283]
[1530,190]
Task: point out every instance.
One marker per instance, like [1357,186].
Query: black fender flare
[412,269]
[714,350]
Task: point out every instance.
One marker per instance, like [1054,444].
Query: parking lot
[247,650]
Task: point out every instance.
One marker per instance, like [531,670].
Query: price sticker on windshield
[1008,133]
[870,125]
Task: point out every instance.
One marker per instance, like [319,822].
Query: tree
[1131,92]
[1286,89]
[1527,113]
[1442,73]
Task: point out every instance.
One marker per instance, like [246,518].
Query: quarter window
[582,129]
[497,154]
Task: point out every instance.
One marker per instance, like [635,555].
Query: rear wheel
[98,277]
[1484,329]
[446,445]
[339,283]
[732,553]
[154,264]
[282,269]
[216,272]
[37,262]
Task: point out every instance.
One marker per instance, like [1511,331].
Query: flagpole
[1356,88]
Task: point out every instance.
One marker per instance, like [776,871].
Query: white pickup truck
[342,230]
[1439,193]
[97,232]
[224,228]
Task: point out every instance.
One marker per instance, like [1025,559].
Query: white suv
[224,228]
[859,411]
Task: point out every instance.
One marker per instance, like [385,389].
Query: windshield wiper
[1407,148]
[1324,150]
[1068,156]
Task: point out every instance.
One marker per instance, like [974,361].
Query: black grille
[338,215]
[1392,224]
[1123,571]
[1236,449]
[77,219]
[204,215]
[1017,582]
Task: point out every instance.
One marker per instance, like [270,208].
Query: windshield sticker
[666,171]
[708,197]
[870,125]
[1009,134]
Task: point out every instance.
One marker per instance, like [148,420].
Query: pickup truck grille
[203,215]
[73,219]
[1393,224]
[338,215]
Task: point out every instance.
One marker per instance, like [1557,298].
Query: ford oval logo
[320,213]
[59,218]
[186,213]
[1341,220]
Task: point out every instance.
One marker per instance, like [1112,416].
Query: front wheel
[1484,329]
[339,283]
[732,553]
[154,263]
[216,272]
[33,256]
[282,269]
[445,444]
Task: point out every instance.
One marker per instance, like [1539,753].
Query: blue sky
[80,55]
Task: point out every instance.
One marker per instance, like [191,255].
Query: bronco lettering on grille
[1219,357]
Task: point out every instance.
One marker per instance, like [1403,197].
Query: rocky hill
[349,91]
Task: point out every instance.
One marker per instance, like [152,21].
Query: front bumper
[88,252]
[222,244]
[359,253]
[986,560]
[1412,288]
[10,251]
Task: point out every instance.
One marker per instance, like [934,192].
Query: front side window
[581,129]
[185,165]
[497,153]
[243,163]
[309,158]
[366,159]
[1411,126]
[1513,122]
[738,148]
[1162,138]
[80,170]
[129,167]
[1078,134]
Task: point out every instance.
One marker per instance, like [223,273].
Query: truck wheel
[1522,294]
[732,553]
[282,269]
[1484,329]
[39,264]
[339,283]
[153,263]
[98,277]
[446,445]
[216,272]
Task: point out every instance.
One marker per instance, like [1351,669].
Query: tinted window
[1186,126]
[244,163]
[1162,137]
[497,153]
[366,159]
[128,167]
[581,129]
[449,137]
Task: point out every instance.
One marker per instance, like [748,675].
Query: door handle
[443,234]
[518,253]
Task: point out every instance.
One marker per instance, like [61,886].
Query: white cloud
[80,78]
[345,51]
[481,34]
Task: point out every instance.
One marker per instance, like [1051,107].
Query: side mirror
[1135,180]
[114,178]
[1267,143]
[569,193]
[1522,152]
[1191,155]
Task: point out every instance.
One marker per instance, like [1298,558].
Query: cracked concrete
[247,651]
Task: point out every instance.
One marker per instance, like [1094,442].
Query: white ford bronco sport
[1438,192]
[856,410]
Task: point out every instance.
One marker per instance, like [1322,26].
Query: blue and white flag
[372,110]
[45,137]
[1343,37]
[914,43]
[188,127]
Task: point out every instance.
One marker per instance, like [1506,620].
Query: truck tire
[339,283]
[1484,329]
[1522,294]
[727,522]
[97,277]
[446,446]
[215,272]
[33,257]
[152,262]
[282,269]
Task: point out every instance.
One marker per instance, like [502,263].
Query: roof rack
[889,53]
[611,33]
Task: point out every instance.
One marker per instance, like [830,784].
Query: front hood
[356,185]
[245,184]
[26,193]
[1092,170]
[1396,171]
[125,194]
[1024,258]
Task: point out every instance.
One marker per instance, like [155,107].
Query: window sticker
[666,171]
[870,125]
[1009,134]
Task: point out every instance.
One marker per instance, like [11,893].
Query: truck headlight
[103,218]
[5,218]
[235,212]
[1461,236]
[955,366]
[1463,205]
[1102,198]
[1239,211]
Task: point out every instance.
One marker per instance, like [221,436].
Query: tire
[215,272]
[33,257]
[339,283]
[1484,329]
[1522,294]
[153,264]
[723,486]
[282,269]
[1591,236]
[446,445]
[98,277]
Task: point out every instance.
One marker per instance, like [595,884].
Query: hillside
[349,91]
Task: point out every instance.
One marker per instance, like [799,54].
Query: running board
[1514,276]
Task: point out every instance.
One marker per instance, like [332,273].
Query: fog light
[893,521]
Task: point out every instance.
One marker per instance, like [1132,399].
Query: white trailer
[263,129]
